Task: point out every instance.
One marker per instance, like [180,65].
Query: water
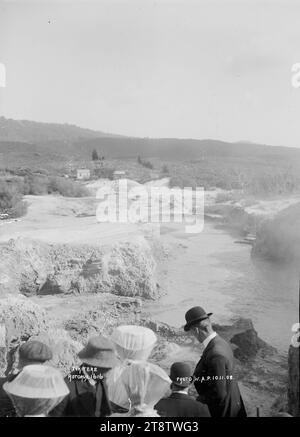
[211,270]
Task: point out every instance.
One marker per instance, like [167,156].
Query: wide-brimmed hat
[35,351]
[181,374]
[37,381]
[194,315]
[145,384]
[133,342]
[99,352]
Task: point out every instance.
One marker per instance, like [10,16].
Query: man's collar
[181,392]
[208,339]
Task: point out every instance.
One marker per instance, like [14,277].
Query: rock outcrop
[293,382]
[20,319]
[33,267]
[244,339]
[233,217]
[241,334]
[103,316]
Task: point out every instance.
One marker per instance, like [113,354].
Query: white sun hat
[133,342]
[39,382]
[145,384]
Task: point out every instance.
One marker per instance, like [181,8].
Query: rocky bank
[33,267]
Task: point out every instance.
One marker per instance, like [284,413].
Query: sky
[188,69]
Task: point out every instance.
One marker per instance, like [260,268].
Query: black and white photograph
[149,212]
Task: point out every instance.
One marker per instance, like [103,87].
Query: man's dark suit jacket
[181,405]
[222,395]
[81,401]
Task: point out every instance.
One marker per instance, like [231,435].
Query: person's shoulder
[162,404]
[162,401]
[191,400]
[3,380]
[220,347]
[197,408]
[2,391]
[202,410]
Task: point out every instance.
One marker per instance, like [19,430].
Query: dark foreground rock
[293,381]
[244,339]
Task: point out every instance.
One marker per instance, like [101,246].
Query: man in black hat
[88,391]
[213,377]
[30,352]
[179,403]
[33,352]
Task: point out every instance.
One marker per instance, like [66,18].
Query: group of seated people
[115,378]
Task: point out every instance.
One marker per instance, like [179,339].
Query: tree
[95,156]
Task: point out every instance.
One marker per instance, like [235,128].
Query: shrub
[146,164]
[11,200]
[36,185]
[182,181]
[66,187]
[105,173]
[223,197]
[9,196]
[19,210]
[95,156]
[165,169]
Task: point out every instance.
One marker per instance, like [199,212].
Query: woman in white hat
[145,384]
[36,390]
[133,344]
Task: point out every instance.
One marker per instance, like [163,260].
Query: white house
[119,174]
[83,173]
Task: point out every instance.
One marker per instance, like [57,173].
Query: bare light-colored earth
[72,221]
[55,219]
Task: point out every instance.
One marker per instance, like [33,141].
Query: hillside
[182,149]
[54,147]
[58,137]
[37,132]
